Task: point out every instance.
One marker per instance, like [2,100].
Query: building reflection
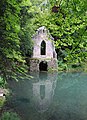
[43,90]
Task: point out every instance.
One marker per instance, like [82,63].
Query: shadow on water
[50,96]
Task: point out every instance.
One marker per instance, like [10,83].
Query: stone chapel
[44,55]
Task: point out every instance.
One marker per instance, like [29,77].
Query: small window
[43,31]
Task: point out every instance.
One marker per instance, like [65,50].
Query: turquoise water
[50,96]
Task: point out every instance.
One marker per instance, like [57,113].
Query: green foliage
[20,18]
[10,41]
[9,116]
[26,30]
[16,23]
[2,82]
[68,26]
[2,101]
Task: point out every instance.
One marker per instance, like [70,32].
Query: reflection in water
[43,90]
[49,96]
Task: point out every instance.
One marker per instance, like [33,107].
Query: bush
[9,116]
[2,101]
[2,82]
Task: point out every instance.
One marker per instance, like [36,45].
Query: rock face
[3,92]
[44,55]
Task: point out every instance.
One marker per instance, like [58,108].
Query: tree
[28,13]
[26,31]
[16,31]
[67,23]
[10,41]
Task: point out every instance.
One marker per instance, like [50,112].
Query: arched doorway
[43,66]
[43,48]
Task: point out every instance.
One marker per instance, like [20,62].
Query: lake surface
[50,96]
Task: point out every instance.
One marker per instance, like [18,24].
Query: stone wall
[51,63]
[47,60]
[34,65]
[43,35]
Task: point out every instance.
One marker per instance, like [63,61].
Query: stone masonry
[44,54]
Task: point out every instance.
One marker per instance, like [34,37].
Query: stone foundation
[35,62]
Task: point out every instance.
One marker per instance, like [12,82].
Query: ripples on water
[50,96]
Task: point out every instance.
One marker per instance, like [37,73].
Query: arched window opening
[53,54]
[43,48]
[43,66]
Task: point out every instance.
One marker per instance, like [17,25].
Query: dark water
[50,96]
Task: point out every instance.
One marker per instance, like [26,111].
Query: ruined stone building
[43,90]
[44,55]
